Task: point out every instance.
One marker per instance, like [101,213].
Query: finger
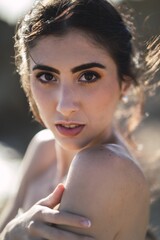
[64,218]
[54,198]
[51,233]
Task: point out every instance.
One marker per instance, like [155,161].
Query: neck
[64,159]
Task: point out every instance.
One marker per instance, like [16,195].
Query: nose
[67,101]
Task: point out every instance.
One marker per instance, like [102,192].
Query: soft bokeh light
[9,165]
[11,10]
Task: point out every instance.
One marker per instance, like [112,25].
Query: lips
[69,129]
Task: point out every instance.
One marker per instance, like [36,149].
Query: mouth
[69,129]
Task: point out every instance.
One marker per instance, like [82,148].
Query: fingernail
[86,223]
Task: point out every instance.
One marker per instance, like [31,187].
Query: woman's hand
[40,222]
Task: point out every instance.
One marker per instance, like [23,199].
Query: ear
[125,85]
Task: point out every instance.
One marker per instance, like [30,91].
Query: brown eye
[89,77]
[46,77]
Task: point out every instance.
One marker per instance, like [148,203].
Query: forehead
[74,46]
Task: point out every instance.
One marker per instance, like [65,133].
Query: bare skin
[77,87]
[117,179]
[31,185]
[26,199]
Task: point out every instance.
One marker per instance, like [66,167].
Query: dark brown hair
[101,21]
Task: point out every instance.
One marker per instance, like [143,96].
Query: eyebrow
[45,68]
[73,70]
[87,66]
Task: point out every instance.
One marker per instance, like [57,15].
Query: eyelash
[93,73]
[52,78]
[40,74]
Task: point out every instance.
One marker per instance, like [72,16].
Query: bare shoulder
[113,193]
[114,160]
[38,157]
[117,170]
[41,147]
[42,138]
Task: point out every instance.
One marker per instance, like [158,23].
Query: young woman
[75,58]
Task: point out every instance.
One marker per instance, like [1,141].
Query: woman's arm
[110,189]
[32,165]
[40,220]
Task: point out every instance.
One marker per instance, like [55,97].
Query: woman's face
[76,88]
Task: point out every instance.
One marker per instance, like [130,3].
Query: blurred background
[17,126]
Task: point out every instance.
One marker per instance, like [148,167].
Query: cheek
[106,105]
[40,97]
[107,98]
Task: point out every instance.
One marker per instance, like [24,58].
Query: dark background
[17,126]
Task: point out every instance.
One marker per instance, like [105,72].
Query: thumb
[54,198]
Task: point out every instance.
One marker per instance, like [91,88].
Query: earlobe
[124,99]
[125,85]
